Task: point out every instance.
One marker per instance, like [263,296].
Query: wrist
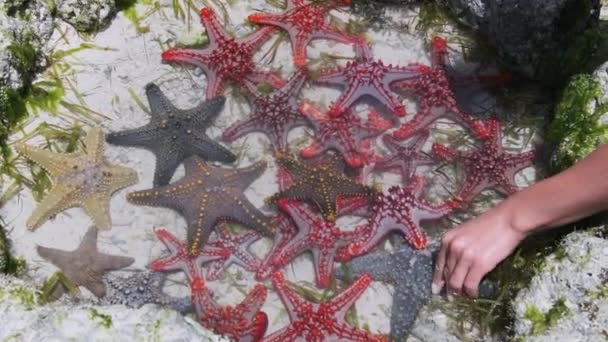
[521,216]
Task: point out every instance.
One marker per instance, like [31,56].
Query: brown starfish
[322,183]
[85,266]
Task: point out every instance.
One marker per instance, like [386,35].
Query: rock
[23,319]
[568,299]
[525,32]
[87,15]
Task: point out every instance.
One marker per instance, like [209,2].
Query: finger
[438,275]
[456,279]
[472,280]
[451,259]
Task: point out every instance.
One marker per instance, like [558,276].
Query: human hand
[471,250]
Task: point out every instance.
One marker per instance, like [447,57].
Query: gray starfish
[174,134]
[143,287]
[85,266]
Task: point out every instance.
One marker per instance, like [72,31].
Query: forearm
[577,192]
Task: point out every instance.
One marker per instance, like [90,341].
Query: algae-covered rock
[565,301]
[87,15]
[24,319]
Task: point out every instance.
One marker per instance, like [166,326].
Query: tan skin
[471,250]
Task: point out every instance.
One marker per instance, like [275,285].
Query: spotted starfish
[366,76]
[238,248]
[174,134]
[305,22]
[401,210]
[142,288]
[244,322]
[435,97]
[322,184]
[404,158]
[275,114]
[207,196]
[317,235]
[489,166]
[409,271]
[344,134]
[82,179]
[320,321]
[85,266]
[226,57]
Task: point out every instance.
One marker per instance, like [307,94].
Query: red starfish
[435,97]
[343,134]
[366,76]
[317,235]
[244,322]
[304,22]
[489,166]
[226,57]
[275,114]
[404,157]
[238,251]
[401,210]
[316,322]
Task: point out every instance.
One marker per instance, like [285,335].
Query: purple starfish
[275,114]
[237,247]
[489,166]
[345,134]
[366,76]
[404,158]
[226,57]
[401,210]
[304,22]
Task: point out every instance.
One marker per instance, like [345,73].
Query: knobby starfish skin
[226,57]
[238,248]
[343,134]
[489,166]
[409,271]
[435,97]
[404,158]
[322,238]
[305,22]
[321,183]
[366,76]
[82,179]
[317,322]
[274,114]
[207,196]
[244,322]
[85,266]
[174,135]
[401,210]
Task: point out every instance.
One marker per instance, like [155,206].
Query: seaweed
[543,321]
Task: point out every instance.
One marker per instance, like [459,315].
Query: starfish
[174,135]
[489,166]
[401,210]
[435,97]
[404,157]
[142,288]
[238,248]
[207,196]
[226,57]
[275,114]
[318,322]
[304,22]
[409,271]
[343,134]
[85,266]
[321,184]
[366,76]
[317,235]
[83,179]
[244,322]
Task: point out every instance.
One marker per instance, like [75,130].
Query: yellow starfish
[82,179]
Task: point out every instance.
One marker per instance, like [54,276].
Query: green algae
[8,263]
[24,295]
[541,322]
[103,319]
[576,129]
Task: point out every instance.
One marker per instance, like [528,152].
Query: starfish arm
[242,128]
[243,177]
[167,161]
[258,37]
[214,28]
[442,152]
[159,103]
[201,145]
[261,77]
[428,211]
[516,162]
[169,196]
[399,74]
[197,57]
[109,262]
[254,301]
[298,46]
[215,85]
[332,76]
[97,207]
[286,334]
[313,150]
[58,199]
[146,136]
[294,84]
[55,256]
[348,333]
[388,97]
[94,144]
[345,299]
[243,212]
[215,269]
[55,164]
[324,263]
[404,312]
[119,177]
[505,185]
[266,19]
[206,112]
[97,287]
[290,299]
